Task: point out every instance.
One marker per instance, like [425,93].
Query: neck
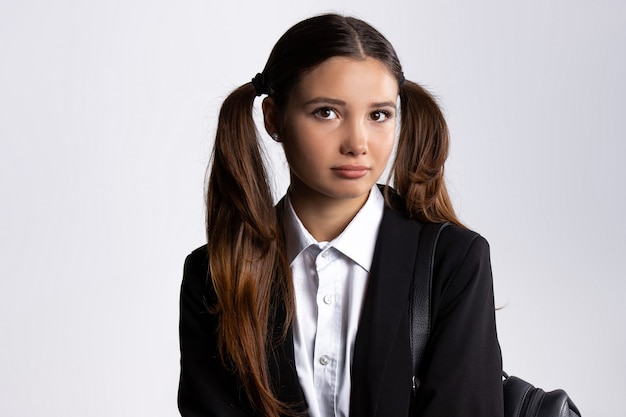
[324,217]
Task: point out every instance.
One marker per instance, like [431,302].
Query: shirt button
[328,299]
[325,254]
[324,360]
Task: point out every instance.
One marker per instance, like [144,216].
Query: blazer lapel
[384,309]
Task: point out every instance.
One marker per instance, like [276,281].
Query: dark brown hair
[247,262]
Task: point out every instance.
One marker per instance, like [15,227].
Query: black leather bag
[521,399]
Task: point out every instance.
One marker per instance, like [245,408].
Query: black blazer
[462,367]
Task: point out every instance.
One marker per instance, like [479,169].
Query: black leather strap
[419,303]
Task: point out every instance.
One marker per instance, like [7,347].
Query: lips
[351,171]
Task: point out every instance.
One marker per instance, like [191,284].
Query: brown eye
[325,113]
[380,116]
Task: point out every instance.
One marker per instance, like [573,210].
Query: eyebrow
[328,100]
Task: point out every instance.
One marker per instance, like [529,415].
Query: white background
[107,112]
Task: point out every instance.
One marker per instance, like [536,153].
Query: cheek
[384,146]
[303,143]
[301,155]
[304,157]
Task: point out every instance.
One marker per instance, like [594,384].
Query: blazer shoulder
[456,242]
[196,287]
[198,255]
[197,262]
[462,268]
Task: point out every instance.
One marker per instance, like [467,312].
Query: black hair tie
[401,79]
[260,86]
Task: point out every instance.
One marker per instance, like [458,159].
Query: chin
[352,192]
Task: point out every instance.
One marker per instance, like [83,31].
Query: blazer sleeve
[206,388]
[461,373]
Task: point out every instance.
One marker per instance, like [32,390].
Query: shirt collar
[357,241]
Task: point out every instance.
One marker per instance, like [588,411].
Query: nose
[355,139]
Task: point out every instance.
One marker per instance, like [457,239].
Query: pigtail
[420,157]
[246,251]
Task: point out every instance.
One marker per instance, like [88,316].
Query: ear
[271,116]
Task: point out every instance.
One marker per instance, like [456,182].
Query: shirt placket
[328,332]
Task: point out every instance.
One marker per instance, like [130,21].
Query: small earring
[274,136]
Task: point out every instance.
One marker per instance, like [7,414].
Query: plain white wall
[107,112]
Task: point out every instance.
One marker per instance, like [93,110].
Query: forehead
[348,79]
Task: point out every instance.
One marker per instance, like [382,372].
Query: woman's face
[338,129]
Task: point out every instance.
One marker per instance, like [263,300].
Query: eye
[380,115]
[325,113]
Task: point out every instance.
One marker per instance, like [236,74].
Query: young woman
[302,308]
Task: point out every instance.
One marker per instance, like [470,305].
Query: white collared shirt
[330,280]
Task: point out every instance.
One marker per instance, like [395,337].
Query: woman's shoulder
[458,246]
[455,242]
[196,283]
[453,236]
[199,255]
[455,239]
[462,264]
[197,262]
